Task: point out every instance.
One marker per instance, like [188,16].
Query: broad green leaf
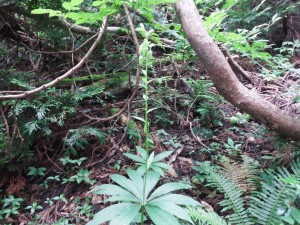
[150,159]
[176,199]
[158,170]
[73,5]
[295,214]
[287,219]
[41,11]
[134,157]
[123,198]
[229,4]
[162,155]
[161,217]
[137,180]
[69,6]
[174,210]
[127,216]
[76,2]
[151,181]
[296,99]
[142,169]
[126,183]
[162,165]
[138,218]
[142,152]
[109,189]
[84,17]
[97,3]
[109,213]
[167,188]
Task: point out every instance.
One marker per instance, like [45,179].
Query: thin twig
[8,150]
[191,125]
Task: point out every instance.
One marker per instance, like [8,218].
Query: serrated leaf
[167,188]
[161,217]
[162,155]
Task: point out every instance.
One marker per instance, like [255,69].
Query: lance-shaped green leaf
[174,210]
[126,183]
[176,199]
[161,217]
[167,188]
[108,213]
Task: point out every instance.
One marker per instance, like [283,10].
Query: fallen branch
[234,64]
[67,74]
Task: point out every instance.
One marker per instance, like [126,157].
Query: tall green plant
[136,195]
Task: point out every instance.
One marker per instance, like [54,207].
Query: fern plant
[77,138]
[233,198]
[202,216]
[268,205]
[271,199]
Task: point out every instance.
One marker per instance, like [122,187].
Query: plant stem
[146,130]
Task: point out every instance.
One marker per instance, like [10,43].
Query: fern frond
[252,168]
[205,217]
[245,174]
[265,204]
[233,198]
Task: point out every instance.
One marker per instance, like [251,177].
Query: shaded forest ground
[60,150]
[197,126]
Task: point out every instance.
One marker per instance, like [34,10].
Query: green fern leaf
[265,204]
[233,198]
[205,217]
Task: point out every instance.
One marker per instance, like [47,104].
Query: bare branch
[234,64]
[67,74]
[85,30]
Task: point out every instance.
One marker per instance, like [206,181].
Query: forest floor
[193,136]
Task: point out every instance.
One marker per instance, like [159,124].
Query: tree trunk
[224,78]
